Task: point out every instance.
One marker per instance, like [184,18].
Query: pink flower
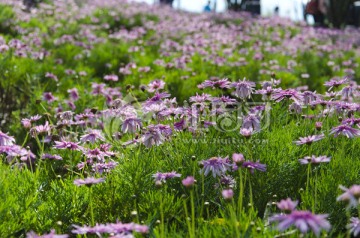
[227,194]
[238,158]
[246,132]
[188,181]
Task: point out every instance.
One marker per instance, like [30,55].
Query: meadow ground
[126,120]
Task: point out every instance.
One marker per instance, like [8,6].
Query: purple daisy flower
[345,130]
[131,125]
[52,234]
[155,85]
[122,229]
[92,136]
[6,139]
[156,135]
[220,83]
[104,167]
[223,100]
[292,94]
[267,92]
[350,195]
[180,125]
[254,165]
[41,129]
[252,121]
[53,157]
[310,97]
[96,154]
[308,140]
[354,226]
[216,165]
[302,220]
[111,77]
[351,121]
[73,93]
[200,98]
[157,98]
[243,89]
[335,82]
[315,160]
[88,181]
[226,181]
[295,108]
[162,177]
[67,145]
[47,96]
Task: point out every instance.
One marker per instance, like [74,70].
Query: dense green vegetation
[96,76]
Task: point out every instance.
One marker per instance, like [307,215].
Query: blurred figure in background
[207,7]
[28,4]
[316,8]
[166,2]
[276,11]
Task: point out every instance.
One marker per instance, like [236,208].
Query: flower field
[121,119]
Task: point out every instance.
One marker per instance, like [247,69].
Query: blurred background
[287,8]
[323,13]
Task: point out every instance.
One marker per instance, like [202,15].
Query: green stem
[308,181]
[202,193]
[315,192]
[187,218]
[232,211]
[27,136]
[91,207]
[162,219]
[192,214]
[241,193]
[251,195]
